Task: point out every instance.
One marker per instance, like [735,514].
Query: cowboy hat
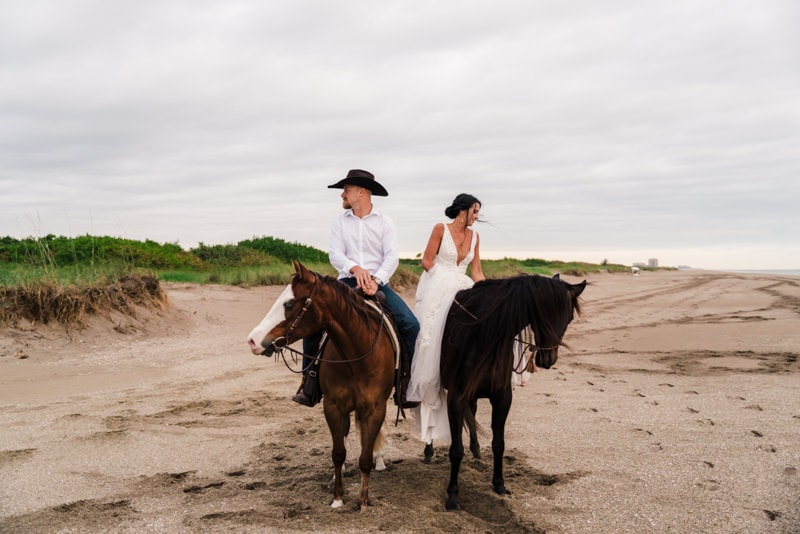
[361,179]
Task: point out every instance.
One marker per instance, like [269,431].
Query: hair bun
[462,202]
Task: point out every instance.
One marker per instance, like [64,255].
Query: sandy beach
[676,408]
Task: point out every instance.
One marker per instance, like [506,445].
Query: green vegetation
[89,260]
[511,267]
[62,279]
[59,251]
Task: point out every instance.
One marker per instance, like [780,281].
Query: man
[363,249]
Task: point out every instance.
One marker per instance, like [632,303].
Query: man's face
[350,195]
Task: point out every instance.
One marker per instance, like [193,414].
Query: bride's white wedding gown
[435,292]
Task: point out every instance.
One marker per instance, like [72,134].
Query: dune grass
[48,302]
[62,279]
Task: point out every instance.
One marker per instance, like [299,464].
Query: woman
[451,248]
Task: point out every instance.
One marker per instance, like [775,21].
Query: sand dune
[676,409]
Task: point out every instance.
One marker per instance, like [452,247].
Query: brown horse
[478,357]
[358,364]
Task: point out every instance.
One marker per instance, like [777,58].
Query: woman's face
[471,215]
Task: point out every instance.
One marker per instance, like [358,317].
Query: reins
[533,347]
[318,357]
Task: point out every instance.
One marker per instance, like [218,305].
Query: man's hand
[364,280]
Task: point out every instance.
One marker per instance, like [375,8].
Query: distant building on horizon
[652,263]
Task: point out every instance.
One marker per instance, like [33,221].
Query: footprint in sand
[201,489]
[11,456]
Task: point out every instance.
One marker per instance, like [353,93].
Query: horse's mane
[484,319]
[349,299]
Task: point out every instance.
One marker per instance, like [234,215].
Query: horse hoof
[452,505]
[337,503]
[501,490]
[428,452]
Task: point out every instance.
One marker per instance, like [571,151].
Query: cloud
[624,126]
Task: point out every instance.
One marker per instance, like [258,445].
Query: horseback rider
[363,248]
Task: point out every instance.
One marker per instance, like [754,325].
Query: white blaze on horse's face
[273,317]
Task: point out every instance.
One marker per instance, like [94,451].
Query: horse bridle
[533,347]
[292,327]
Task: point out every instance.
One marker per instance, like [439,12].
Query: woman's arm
[475,269]
[432,248]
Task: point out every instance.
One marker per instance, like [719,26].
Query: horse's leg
[501,404]
[339,424]
[456,416]
[370,423]
[474,446]
[346,434]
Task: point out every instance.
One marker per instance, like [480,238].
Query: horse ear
[577,289]
[302,271]
[298,267]
[556,276]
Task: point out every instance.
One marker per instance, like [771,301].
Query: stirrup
[302,398]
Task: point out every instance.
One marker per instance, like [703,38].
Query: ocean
[790,272]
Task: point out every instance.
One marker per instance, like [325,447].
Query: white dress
[435,292]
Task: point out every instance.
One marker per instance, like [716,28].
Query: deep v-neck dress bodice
[448,252]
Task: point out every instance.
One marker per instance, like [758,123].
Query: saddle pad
[390,327]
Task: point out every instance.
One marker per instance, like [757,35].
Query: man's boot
[301,397]
[310,392]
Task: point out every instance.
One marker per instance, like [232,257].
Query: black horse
[477,353]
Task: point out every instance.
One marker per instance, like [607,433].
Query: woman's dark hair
[460,203]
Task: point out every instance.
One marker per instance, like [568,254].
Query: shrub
[284,250]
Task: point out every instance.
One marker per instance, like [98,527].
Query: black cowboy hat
[361,179]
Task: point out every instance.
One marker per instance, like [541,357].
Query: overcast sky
[618,130]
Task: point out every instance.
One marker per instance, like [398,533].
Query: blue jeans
[406,321]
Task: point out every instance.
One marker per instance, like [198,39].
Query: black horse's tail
[470,423]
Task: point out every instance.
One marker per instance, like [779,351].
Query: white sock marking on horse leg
[337,503]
